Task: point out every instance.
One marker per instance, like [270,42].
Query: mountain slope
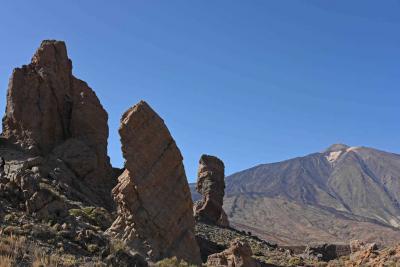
[333,196]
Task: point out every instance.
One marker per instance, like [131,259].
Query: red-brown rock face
[211,185]
[154,203]
[47,105]
[239,254]
[368,254]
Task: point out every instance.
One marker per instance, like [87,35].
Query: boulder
[208,247]
[370,255]
[153,197]
[47,107]
[239,254]
[211,185]
[325,252]
[44,204]
[357,245]
[124,259]
[362,251]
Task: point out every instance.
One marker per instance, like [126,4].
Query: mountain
[339,194]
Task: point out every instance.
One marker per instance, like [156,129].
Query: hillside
[339,194]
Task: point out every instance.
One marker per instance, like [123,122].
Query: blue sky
[249,81]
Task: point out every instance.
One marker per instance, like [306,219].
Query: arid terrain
[63,204]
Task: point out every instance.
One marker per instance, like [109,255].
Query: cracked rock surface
[211,185]
[153,197]
[50,112]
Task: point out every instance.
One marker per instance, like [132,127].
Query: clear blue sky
[249,81]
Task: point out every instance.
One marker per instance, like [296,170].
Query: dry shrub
[10,247]
[6,261]
[14,248]
[173,262]
[40,260]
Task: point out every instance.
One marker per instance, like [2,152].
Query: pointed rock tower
[211,185]
[153,197]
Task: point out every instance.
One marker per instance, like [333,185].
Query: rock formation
[370,255]
[2,163]
[325,252]
[357,245]
[50,112]
[154,203]
[211,185]
[239,254]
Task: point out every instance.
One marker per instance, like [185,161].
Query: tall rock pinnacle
[154,203]
[211,185]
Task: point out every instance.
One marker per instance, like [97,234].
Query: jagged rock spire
[47,107]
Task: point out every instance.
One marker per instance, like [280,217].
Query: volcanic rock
[357,245]
[77,156]
[211,185]
[2,163]
[369,255]
[325,252]
[153,197]
[124,259]
[50,111]
[239,254]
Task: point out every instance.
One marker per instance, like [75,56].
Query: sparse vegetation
[295,261]
[173,262]
[95,215]
[117,245]
[17,250]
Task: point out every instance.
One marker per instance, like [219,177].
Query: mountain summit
[339,194]
[337,147]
